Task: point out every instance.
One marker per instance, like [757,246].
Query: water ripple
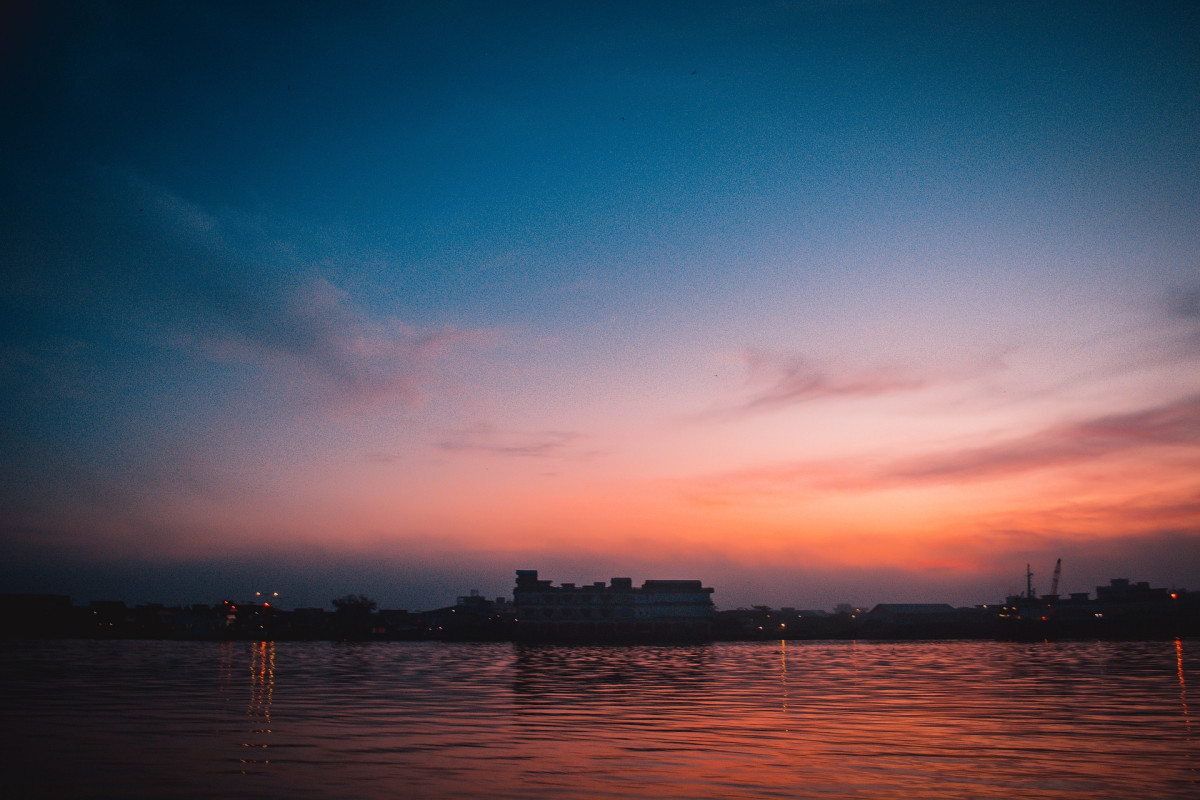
[737,720]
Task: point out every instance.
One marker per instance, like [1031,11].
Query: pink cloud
[778,382]
[536,444]
[1176,423]
[1172,425]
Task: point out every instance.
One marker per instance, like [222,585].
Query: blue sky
[481,286]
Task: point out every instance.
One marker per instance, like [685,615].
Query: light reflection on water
[132,719]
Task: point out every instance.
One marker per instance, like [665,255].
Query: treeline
[355,618]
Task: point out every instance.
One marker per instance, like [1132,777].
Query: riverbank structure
[658,610]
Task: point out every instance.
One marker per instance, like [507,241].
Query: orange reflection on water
[1182,683]
[783,674]
[262,688]
[758,720]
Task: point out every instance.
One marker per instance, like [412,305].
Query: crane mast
[1057,575]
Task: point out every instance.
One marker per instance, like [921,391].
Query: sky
[817,302]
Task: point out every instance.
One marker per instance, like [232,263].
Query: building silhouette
[658,610]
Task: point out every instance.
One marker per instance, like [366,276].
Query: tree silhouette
[354,603]
[352,620]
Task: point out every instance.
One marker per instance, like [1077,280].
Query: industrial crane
[1057,575]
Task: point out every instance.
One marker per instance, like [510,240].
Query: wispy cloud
[538,444]
[222,287]
[314,335]
[1086,517]
[776,382]
[1175,424]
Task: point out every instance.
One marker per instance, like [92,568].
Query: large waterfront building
[656,610]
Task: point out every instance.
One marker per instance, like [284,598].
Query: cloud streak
[218,287]
[539,444]
[312,334]
[779,382]
[248,302]
[1172,425]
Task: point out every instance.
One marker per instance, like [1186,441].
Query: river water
[151,719]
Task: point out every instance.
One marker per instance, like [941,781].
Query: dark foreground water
[129,719]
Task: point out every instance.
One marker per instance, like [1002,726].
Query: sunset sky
[816,302]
